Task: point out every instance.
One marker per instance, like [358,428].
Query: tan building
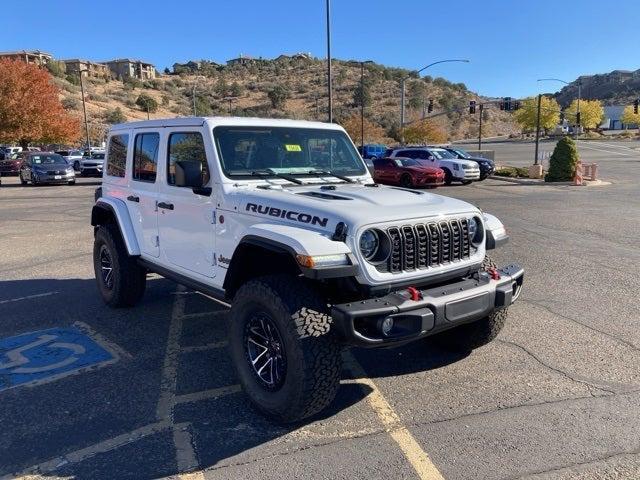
[75,66]
[129,68]
[28,56]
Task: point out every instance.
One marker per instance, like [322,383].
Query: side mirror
[189,174]
[431,157]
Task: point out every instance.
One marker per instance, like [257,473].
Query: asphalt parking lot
[152,393]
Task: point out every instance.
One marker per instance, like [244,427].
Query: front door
[185,219]
[143,191]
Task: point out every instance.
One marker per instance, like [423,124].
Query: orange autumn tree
[30,110]
[372,131]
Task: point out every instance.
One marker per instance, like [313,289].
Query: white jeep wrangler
[282,219]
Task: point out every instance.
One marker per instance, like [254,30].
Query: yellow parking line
[411,449]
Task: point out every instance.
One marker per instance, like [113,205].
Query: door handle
[133,198]
[166,206]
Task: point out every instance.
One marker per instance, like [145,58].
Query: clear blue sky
[510,43]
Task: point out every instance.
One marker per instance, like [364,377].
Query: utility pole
[535,160]
[329,81]
[480,128]
[147,110]
[84,110]
[362,106]
[578,108]
[402,112]
[193,97]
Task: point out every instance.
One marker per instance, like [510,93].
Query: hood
[480,159]
[426,170]
[355,204]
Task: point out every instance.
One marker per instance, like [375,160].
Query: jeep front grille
[425,245]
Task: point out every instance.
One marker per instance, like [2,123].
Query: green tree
[278,96]
[221,87]
[115,116]
[236,89]
[57,69]
[591,113]
[362,94]
[147,103]
[527,114]
[563,161]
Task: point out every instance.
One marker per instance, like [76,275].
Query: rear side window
[117,160]
[186,146]
[145,157]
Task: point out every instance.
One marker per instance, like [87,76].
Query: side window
[145,157]
[378,163]
[117,156]
[186,146]
[423,154]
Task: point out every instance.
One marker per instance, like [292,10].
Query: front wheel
[476,334]
[22,180]
[406,181]
[466,182]
[281,343]
[448,178]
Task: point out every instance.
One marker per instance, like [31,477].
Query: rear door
[143,190]
[185,219]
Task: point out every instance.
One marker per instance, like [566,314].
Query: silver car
[92,165]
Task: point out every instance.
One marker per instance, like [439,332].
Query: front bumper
[432,311]
[62,178]
[91,169]
[431,181]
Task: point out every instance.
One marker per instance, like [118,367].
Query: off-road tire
[474,335]
[71,182]
[313,360]
[466,182]
[22,180]
[406,181]
[448,178]
[129,279]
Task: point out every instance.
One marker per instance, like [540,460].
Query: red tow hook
[414,293]
[493,273]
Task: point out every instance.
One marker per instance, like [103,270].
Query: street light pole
[193,97]
[579,98]
[329,81]
[84,110]
[535,160]
[362,103]
[402,100]
[480,128]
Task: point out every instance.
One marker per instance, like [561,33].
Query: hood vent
[408,190]
[323,196]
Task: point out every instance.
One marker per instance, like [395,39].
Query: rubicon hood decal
[288,214]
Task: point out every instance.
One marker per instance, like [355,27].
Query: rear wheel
[466,182]
[121,281]
[71,182]
[476,334]
[283,350]
[406,181]
[22,180]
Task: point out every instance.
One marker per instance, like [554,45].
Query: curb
[540,182]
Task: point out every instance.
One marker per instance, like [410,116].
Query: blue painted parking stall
[46,355]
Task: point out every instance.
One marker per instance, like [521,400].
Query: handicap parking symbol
[48,354]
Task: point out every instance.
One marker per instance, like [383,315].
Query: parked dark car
[372,151]
[11,165]
[487,167]
[45,167]
[406,172]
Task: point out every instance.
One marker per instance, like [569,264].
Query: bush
[115,116]
[71,103]
[512,172]
[57,69]
[563,161]
[278,96]
[147,103]
[73,79]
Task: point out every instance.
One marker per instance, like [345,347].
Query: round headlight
[475,230]
[369,244]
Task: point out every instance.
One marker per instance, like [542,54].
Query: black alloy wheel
[106,267]
[265,352]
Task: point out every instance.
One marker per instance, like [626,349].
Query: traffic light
[507,104]
[578,118]
[430,107]
[635,106]
[472,106]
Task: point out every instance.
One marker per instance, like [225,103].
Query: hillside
[300,92]
[619,87]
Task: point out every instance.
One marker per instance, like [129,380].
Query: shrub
[57,69]
[73,79]
[512,172]
[563,161]
[147,103]
[71,103]
[115,116]
[278,96]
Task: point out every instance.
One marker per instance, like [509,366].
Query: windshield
[462,153]
[47,159]
[97,156]
[286,150]
[407,162]
[440,153]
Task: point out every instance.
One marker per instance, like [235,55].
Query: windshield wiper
[268,172]
[332,174]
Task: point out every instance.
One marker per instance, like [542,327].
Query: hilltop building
[130,68]
[76,66]
[28,56]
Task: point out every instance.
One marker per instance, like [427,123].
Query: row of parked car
[38,167]
[424,166]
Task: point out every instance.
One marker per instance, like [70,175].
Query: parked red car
[406,172]
[11,166]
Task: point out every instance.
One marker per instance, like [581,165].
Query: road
[557,395]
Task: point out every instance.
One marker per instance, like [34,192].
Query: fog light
[386,326]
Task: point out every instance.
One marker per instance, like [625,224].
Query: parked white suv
[93,163]
[455,169]
[282,219]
